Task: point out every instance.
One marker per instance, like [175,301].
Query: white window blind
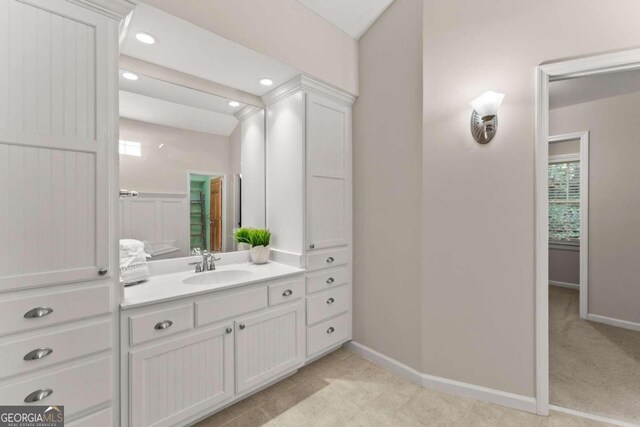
[564,201]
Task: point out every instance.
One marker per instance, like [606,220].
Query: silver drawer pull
[330,260]
[38,353]
[331,330]
[38,312]
[38,395]
[103,271]
[312,246]
[241,326]
[330,280]
[228,331]
[330,301]
[287,293]
[163,325]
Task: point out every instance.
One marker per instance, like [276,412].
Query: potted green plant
[259,238]
[242,237]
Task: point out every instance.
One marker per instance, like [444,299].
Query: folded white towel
[133,261]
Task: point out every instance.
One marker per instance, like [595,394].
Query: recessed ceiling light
[266,82]
[146,38]
[234,104]
[129,76]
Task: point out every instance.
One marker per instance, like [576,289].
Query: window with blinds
[564,202]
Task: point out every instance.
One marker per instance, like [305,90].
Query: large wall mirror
[192,167]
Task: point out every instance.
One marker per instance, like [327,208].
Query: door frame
[583,157]
[544,74]
[223,176]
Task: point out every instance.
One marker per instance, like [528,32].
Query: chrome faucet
[207,263]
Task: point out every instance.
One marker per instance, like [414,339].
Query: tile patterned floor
[342,389]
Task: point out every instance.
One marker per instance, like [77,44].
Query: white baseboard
[614,322]
[564,284]
[511,400]
[592,416]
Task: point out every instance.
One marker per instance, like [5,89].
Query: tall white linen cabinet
[309,200]
[59,291]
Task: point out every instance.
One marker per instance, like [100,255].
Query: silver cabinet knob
[38,312]
[163,325]
[330,301]
[331,330]
[330,280]
[38,395]
[242,326]
[103,271]
[38,353]
[330,260]
[229,330]
[287,293]
[312,246]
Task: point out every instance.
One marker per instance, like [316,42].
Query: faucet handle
[213,256]
[198,265]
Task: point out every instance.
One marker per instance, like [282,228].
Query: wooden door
[179,378]
[56,136]
[215,214]
[268,345]
[328,173]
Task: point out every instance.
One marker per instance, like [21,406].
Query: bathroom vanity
[183,345]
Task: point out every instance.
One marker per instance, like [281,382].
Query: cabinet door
[328,172]
[179,378]
[57,124]
[268,345]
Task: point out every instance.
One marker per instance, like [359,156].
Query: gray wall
[387,169]
[477,218]
[564,265]
[614,180]
[478,212]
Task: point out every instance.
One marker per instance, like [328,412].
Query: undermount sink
[217,277]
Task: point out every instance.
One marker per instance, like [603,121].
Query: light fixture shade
[488,103]
[146,38]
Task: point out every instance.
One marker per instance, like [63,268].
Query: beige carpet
[594,368]
[344,390]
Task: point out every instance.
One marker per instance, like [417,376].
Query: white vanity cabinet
[58,183]
[309,194]
[228,344]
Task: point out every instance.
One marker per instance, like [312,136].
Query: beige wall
[165,170]
[478,218]
[387,192]
[614,179]
[283,29]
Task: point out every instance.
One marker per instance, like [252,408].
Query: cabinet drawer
[78,387]
[150,326]
[327,258]
[327,334]
[286,292]
[224,307]
[46,349]
[327,279]
[102,418]
[47,308]
[326,304]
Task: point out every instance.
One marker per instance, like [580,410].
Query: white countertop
[167,287]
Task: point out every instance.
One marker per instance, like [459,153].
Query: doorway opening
[206,212]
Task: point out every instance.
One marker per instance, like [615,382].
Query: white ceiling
[160,89]
[354,17]
[193,50]
[564,93]
[167,113]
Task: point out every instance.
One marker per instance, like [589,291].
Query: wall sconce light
[484,120]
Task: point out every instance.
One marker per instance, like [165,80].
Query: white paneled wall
[158,218]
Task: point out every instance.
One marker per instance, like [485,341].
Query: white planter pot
[260,254]
[244,246]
